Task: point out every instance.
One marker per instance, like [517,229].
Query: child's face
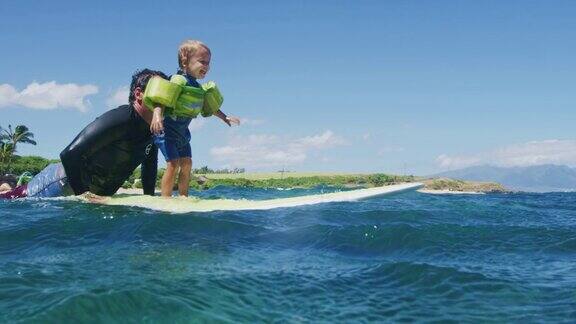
[199,64]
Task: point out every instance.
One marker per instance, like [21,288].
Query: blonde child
[194,63]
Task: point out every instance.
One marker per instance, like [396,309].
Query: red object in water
[18,192]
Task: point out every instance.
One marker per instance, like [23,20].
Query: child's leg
[184,176]
[170,153]
[169,177]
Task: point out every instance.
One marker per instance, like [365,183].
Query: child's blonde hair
[187,49]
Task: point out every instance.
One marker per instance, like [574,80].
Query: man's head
[8,181]
[139,81]
[194,58]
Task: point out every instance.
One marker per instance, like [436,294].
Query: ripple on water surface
[407,257]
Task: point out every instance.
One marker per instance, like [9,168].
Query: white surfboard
[194,204]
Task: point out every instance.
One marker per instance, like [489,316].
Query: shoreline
[135,191]
[431,185]
[449,192]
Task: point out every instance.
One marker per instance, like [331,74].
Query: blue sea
[409,257]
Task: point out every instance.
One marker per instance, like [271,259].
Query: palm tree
[6,150]
[9,139]
[21,134]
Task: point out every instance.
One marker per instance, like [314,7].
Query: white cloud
[457,162]
[366,136]
[265,151]
[251,122]
[322,141]
[197,124]
[48,96]
[7,95]
[119,97]
[525,154]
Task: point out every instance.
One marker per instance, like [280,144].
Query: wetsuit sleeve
[96,135]
[150,170]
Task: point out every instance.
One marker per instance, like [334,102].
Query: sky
[406,87]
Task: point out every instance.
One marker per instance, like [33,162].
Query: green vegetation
[207,170]
[366,180]
[9,140]
[32,164]
[6,150]
[271,180]
[273,175]
[459,185]
[309,180]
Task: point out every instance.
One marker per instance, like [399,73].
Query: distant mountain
[539,178]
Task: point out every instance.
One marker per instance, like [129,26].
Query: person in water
[194,63]
[104,154]
[7,182]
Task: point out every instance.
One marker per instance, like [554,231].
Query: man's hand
[231,120]
[93,198]
[157,123]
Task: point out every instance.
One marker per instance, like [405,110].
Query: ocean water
[400,258]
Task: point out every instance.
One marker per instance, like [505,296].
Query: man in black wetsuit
[104,154]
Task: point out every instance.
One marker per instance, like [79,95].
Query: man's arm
[150,170]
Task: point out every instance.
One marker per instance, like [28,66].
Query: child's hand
[156,127]
[157,123]
[231,120]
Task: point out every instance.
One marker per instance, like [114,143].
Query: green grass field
[274,175]
[298,180]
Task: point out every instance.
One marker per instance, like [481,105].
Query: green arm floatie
[161,92]
[212,99]
[181,100]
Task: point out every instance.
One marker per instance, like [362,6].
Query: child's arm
[157,123]
[228,120]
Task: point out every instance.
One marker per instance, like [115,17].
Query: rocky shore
[451,186]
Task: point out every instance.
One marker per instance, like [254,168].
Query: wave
[409,257]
